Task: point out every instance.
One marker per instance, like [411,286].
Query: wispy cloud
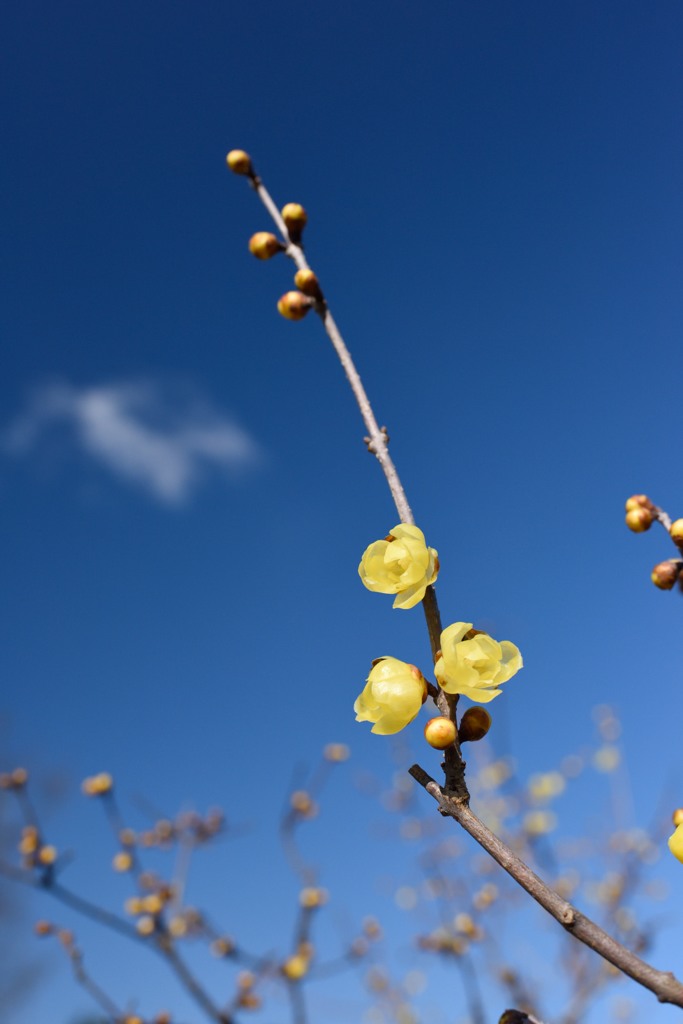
[163,442]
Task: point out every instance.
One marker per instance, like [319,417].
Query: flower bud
[677,816]
[145,925]
[239,162]
[474,725]
[47,855]
[308,283]
[222,947]
[440,733]
[264,244]
[676,532]
[122,861]
[43,928]
[294,305]
[295,218]
[639,519]
[639,501]
[296,967]
[665,574]
[336,752]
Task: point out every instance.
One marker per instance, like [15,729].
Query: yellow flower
[676,843]
[392,697]
[475,666]
[402,564]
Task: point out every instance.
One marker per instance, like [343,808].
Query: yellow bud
[295,968]
[301,802]
[310,898]
[122,861]
[152,904]
[47,855]
[133,906]
[145,924]
[239,162]
[133,1019]
[677,816]
[177,926]
[474,724]
[440,733]
[30,840]
[307,282]
[294,305]
[665,574]
[264,245]
[295,217]
[639,519]
[638,501]
[336,752]
[676,531]
[19,777]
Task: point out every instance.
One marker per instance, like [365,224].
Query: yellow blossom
[676,843]
[402,564]
[393,695]
[475,666]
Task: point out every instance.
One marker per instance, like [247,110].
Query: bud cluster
[641,513]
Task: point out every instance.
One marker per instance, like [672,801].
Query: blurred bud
[43,928]
[145,924]
[132,1018]
[639,501]
[440,733]
[307,282]
[263,245]
[295,218]
[223,947]
[311,897]
[676,531]
[14,780]
[665,574]
[30,840]
[177,926]
[677,816]
[122,861]
[163,1017]
[294,305]
[133,906]
[47,855]
[66,937]
[371,928]
[295,968]
[639,519]
[336,752]
[152,904]
[98,785]
[248,1001]
[245,980]
[301,802]
[239,162]
[127,837]
[474,724]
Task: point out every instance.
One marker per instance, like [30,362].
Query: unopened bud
[294,305]
[638,501]
[474,725]
[122,861]
[440,733]
[665,574]
[676,532]
[295,218]
[264,244]
[47,855]
[308,283]
[43,928]
[639,519]
[238,161]
[295,968]
[677,816]
[336,752]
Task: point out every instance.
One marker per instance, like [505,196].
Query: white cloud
[165,443]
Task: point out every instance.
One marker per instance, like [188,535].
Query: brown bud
[665,574]
[639,519]
[295,218]
[676,532]
[308,283]
[440,733]
[294,305]
[638,501]
[43,928]
[263,245]
[239,162]
[474,724]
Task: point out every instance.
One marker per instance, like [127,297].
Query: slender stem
[664,984]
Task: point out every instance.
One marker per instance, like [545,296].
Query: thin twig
[664,984]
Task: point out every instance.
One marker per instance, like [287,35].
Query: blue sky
[495,213]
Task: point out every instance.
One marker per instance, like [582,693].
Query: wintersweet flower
[474,664]
[393,695]
[676,843]
[401,564]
